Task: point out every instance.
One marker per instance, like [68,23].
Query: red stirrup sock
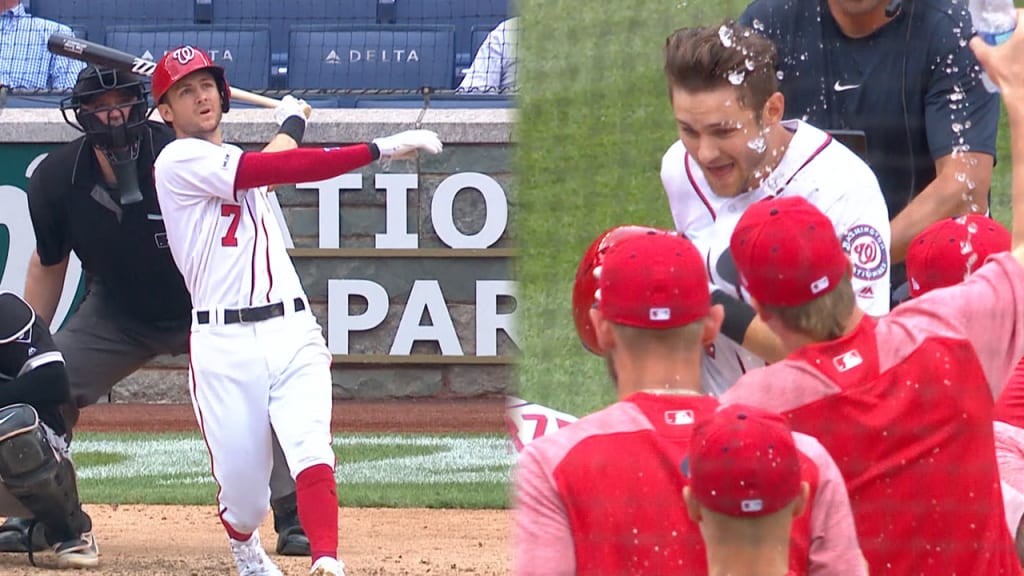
[317,497]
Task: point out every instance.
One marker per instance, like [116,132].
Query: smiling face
[193,106]
[729,141]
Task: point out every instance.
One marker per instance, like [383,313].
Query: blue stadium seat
[96,15]
[438,102]
[479,34]
[463,14]
[280,15]
[371,57]
[243,51]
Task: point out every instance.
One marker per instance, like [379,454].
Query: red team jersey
[604,496]
[1010,404]
[904,404]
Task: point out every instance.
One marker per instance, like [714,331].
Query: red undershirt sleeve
[300,165]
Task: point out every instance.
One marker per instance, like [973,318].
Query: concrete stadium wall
[365,245]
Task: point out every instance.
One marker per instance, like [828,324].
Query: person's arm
[743,326]
[43,286]
[542,542]
[961,119]
[948,195]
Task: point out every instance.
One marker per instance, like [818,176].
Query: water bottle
[994,21]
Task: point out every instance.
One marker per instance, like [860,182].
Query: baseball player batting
[734,150]
[257,357]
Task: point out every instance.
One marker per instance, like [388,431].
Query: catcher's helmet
[585,288]
[116,133]
[183,61]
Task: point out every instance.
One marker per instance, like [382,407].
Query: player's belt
[254,314]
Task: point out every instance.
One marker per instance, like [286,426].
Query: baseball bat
[108,57]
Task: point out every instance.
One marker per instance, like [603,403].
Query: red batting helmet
[583,292]
[181,62]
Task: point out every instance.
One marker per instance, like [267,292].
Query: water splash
[725,36]
[749,63]
[779,74]
[736,77]
[758,25]
[757,144]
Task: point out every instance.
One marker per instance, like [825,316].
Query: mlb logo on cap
[660,314]
[752,506]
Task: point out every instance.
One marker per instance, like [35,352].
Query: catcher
[37,477]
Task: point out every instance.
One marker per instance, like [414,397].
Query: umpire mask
[111,109]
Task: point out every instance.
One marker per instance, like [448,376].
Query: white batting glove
[405,145]
[291,106]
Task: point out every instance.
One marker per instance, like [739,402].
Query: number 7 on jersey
[233,211]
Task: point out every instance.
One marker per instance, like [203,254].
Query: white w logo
[184,55]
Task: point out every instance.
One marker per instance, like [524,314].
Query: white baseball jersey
[820,169]
[227,244]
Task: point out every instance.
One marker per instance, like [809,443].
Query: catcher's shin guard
[38,476]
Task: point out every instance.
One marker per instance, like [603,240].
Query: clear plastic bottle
[994,21]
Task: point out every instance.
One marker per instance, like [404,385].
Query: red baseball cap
[743,462]
[787,252]
[585,287]
[950,250]
[654,281]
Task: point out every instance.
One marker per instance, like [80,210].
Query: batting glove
[291,106]
[405,145]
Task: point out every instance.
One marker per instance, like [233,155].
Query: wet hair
[705,58]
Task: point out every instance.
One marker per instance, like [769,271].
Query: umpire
[95,196]
[38,477]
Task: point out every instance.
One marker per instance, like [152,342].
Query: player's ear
[801,499]
[602,330]
[165,112]
[712,324]
[692,507]
[773,109]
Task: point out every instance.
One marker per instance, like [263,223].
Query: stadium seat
[370,57]
[436,102]
[243,51]
[280,16]
[96,15]
[465,15]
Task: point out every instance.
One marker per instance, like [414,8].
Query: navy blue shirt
[911,119]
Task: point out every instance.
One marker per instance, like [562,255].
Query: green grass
[376,470]
[594,123]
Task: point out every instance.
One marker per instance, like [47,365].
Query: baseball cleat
[327,566]
[250,558]
[78,553]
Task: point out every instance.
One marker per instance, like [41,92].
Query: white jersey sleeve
[858,212]
[195,167]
